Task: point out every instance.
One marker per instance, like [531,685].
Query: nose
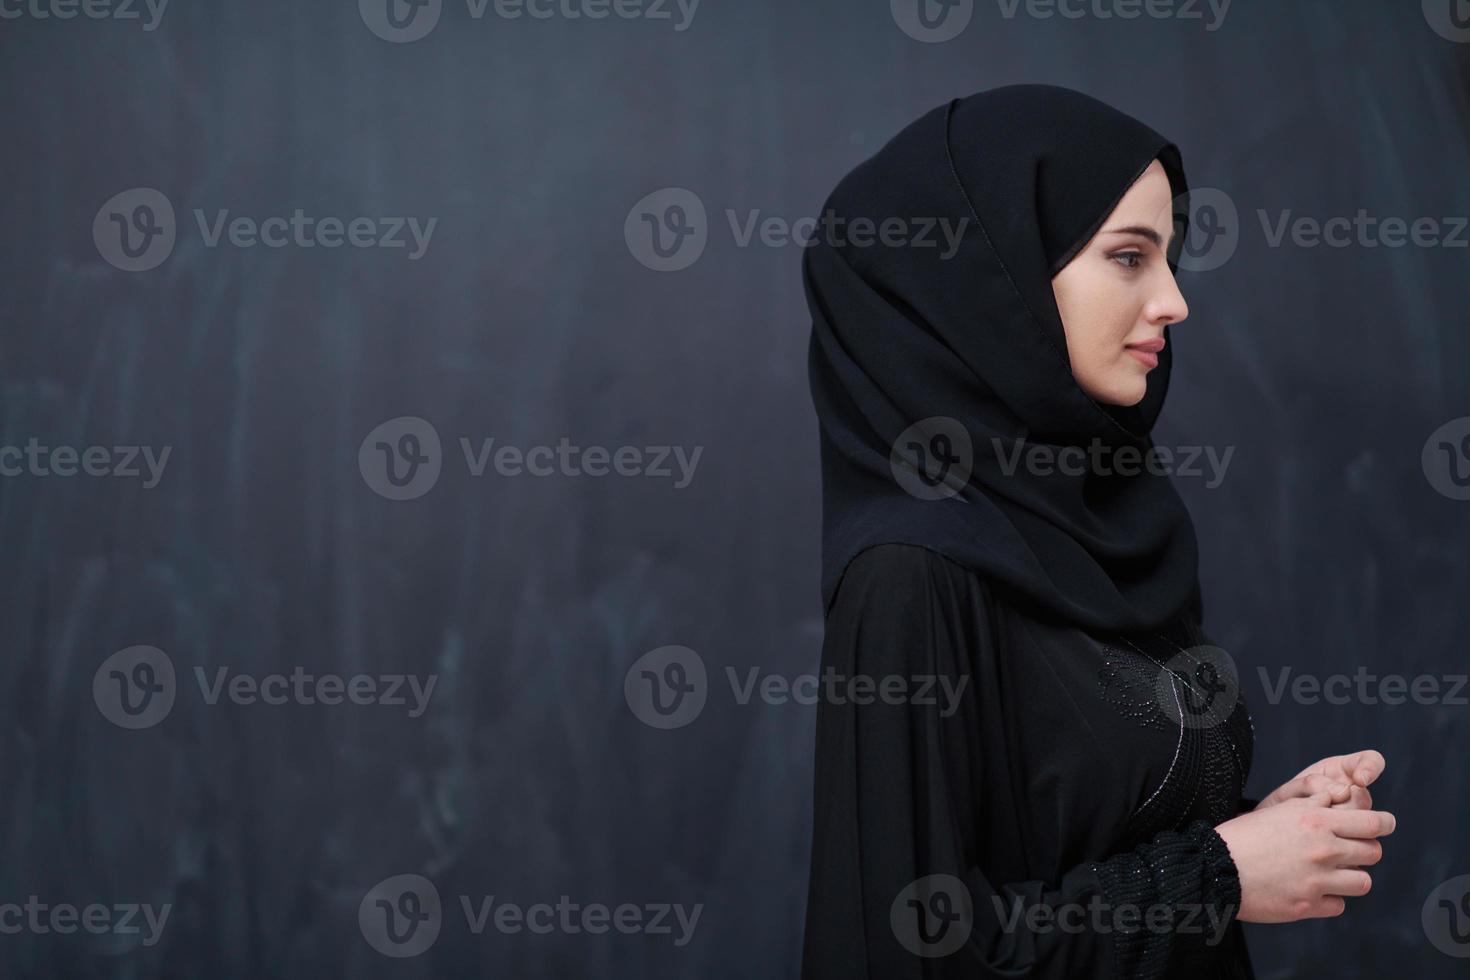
[1167,304]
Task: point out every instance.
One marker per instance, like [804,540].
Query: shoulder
[903,608]
[898,573]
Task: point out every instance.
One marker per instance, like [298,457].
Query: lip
[1147,351]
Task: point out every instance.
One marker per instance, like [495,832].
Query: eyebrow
[1142,230]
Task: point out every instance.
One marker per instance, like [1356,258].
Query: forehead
[1148,202]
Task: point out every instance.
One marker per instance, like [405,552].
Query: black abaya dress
[1053,785]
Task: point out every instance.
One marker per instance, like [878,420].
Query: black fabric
[1052,779]
[901,334]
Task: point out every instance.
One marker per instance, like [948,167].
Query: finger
[1364,824]
[1310,785]
[1359,853]
[1293,788]
[1339,788]
[1326,907]
[1347,882]
[1321,767]
[1365,766]
[1359,799]
[1315,799]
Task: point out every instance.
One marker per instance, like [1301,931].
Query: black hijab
[902,334]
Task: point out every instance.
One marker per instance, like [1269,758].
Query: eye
[1128,260]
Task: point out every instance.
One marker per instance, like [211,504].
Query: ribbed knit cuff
[1184,888]
[1221,880]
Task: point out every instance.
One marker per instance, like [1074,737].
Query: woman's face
[1117,294]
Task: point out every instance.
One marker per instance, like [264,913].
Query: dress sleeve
[903,795]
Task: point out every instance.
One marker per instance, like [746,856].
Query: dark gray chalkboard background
[528,319]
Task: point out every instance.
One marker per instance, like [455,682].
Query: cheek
[1117,309]
[1098,315]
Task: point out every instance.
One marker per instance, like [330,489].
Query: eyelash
[1136,256]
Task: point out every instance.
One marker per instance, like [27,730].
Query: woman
[993,527]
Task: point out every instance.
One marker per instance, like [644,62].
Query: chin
[1134,397]
[1126,394]
[1122,388]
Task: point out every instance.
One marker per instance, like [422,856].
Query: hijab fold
[946,346]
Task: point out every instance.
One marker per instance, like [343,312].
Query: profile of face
[1117,294]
